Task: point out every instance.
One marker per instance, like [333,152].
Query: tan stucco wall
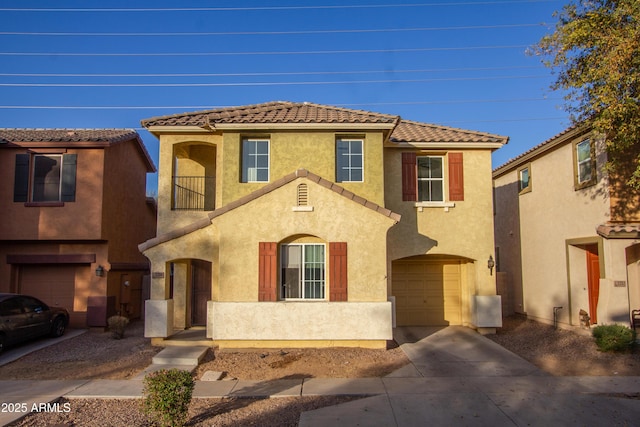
[289,151]
[231,244]
[507,236]
[314,151]
[170,147]
[556,221]
[242,324]
[464,230]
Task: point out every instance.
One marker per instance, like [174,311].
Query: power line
[304,83]
[266,74]
[267,33]
[276,8]
[308,52]
[208,107]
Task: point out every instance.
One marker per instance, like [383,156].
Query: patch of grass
[613,337]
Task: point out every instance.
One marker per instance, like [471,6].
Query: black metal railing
[194,193]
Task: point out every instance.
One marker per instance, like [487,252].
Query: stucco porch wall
[299,321]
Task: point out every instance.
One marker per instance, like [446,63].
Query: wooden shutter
[456,177]
[409,177]
[68,178]
[21,183]
[338,271]
[268,271]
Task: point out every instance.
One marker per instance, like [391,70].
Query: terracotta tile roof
[408,131]
[67,135]
[300,173]
[75,136]
[620,231]
[278,112]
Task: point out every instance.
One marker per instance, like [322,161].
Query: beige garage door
[427,292]
[53,284]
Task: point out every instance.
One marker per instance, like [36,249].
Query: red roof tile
[67,135]
[408,131]
[278,112]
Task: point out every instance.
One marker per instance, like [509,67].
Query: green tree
[595,53]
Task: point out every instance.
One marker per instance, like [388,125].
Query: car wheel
[59,325]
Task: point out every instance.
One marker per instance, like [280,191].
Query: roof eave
[447,145]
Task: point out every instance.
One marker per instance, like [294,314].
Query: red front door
[593,278]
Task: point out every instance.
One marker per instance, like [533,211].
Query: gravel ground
[559,352]
[563,352]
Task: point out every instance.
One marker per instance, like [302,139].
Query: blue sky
[460,63]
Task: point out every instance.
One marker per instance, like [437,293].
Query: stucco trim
[300,173]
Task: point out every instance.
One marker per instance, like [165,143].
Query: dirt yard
[97,355]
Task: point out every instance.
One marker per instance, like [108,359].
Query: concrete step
[190,356]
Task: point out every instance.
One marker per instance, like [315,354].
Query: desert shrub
[613,337]
[167,394]
[117,325]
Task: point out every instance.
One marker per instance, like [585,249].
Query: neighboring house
[73,211]
[297,224]
[568,232]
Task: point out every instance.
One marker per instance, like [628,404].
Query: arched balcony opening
[194,173]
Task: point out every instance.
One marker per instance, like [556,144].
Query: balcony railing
[193,193]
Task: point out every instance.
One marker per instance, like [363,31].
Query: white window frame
[35,184]
[439,180]
[588,160]
[250,160]
[521,187]
[302,273]
[348,157]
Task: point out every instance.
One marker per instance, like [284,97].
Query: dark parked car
[23,318]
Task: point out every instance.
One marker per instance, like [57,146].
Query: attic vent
[303,195]
[302,199]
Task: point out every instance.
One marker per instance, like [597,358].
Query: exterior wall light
[100,271]
[490,264]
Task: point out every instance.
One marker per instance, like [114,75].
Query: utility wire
[209,107]
[275,8]
[308,52]
[305,83]
[268,33]
[266,74]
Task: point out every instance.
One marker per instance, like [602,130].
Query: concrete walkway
[457,377]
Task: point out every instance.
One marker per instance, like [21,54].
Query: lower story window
[303,271]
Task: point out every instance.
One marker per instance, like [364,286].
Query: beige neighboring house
[74,210]
[567,233]
[296,224]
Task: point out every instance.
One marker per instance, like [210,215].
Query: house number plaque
[157,275]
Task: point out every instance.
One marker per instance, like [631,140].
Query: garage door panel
[428,293]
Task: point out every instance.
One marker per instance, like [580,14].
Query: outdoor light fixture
[490,264]
[100,271]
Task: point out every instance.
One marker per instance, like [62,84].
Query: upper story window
[584,163]
[349,160]
[425,181]
[255,160]
[430,179]
[45,178]
[524,179]
[303,271]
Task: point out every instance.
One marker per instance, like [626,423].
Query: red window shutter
[456,177]
[337,271]
[268,275]
[409,177]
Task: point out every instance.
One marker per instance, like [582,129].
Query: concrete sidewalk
[457,377]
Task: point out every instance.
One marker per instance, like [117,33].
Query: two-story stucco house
[295,224]
[568,232]
[74,209]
